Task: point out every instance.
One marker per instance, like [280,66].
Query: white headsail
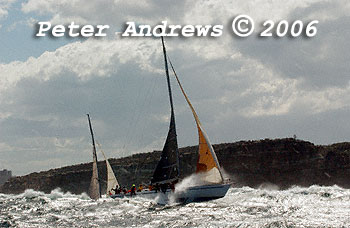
[111,179]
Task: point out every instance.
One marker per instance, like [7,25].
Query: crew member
[140,188]
[133,190]
[124,190]
[115,189]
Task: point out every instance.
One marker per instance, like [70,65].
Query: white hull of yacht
[191,194]
[202,193]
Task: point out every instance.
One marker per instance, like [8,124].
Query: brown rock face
[283,162]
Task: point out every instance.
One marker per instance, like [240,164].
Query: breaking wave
[267,206]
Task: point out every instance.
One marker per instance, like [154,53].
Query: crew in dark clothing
[163,187]
[133,190]
[156,187]
[172,186]
[116,189]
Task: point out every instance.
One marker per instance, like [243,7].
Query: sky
[242,88]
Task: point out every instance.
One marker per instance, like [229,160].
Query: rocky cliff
[283,162]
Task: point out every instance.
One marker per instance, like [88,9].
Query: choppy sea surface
[242,207]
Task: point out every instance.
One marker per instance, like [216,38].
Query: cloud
[80,59]
[4,8]
[241,88]
[111,12]
[49,96]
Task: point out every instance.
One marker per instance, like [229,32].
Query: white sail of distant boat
[112,181]
[94,189]
[208,165]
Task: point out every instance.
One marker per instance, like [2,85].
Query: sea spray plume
[55,194]
[228,178]
[182,186]
[161,199]
[31,194]
[196,179]
[268,186]
[193,180]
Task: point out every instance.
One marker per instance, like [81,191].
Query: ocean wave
[315,206]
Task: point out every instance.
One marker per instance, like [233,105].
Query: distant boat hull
[145,194]
[191,194]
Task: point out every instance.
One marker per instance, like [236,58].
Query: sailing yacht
[167,171]
[94,189]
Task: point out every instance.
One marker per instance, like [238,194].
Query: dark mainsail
[94,189]
[167,169]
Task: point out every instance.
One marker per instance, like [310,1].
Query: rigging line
[127,135]
[104,155]
[142,106]
[141,111]
[148,95]
[139,165]
[185,95]
[100,147]
[151,95]
[119,80]
[134,116]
